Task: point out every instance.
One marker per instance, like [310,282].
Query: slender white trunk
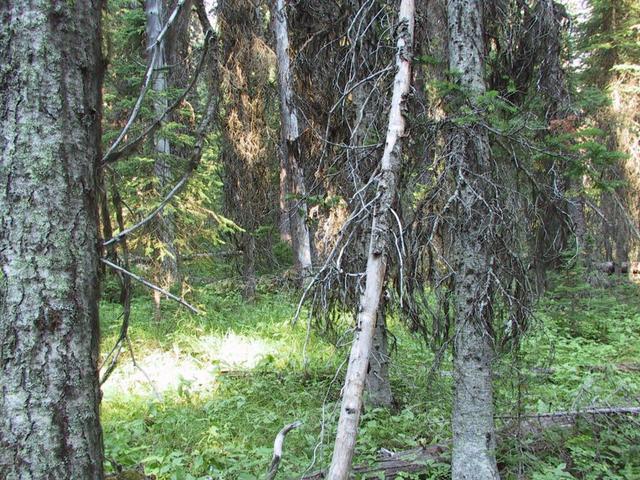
[154,11]
[377,259]
[291,171]
[473,456]
[162,170]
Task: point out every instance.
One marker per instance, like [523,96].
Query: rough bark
[291,175]
[164,223]
[473,426]
[50,80]
[378,250]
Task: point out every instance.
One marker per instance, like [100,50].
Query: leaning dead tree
[367,66]
[345,104]
[387,180]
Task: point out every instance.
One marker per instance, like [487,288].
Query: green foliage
[194,212]
[225,426]
[610,38]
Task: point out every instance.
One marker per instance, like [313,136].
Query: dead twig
[146,283]
[278,446]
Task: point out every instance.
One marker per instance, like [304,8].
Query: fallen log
[621,367]
[391,465]
[536,424]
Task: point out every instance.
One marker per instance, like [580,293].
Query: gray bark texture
[50,79]
[473,456]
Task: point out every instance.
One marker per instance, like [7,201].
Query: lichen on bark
[49,147]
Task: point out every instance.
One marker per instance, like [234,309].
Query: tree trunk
[577,214]
[473,426]
[247,151]
[165,231]
[249,269]
[49,141]
[291,173]
[377,260]
[377,382]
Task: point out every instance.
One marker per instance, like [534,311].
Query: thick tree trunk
[165,231]
[49,142]
[291,173]
[473,426]
[247,151]
[377,260]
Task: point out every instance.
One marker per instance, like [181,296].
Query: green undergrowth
[217,387]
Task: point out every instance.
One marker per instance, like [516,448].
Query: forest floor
[207,394]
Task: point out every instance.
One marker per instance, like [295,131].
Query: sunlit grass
[225,382]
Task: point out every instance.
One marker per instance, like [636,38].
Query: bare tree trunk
[165,231]
[377,260]
[285,204]
[49,145]
[577,213]
[290,168]
[474,442]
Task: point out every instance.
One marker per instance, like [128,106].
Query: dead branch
[147,82]
[278,446]
[164,30]
[196,155]
[146,283]
[125,295]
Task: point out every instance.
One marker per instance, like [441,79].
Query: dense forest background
[414,229]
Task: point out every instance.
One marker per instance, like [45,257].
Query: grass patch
[227,381]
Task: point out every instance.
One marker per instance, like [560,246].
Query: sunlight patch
[163,371]
[234,351]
